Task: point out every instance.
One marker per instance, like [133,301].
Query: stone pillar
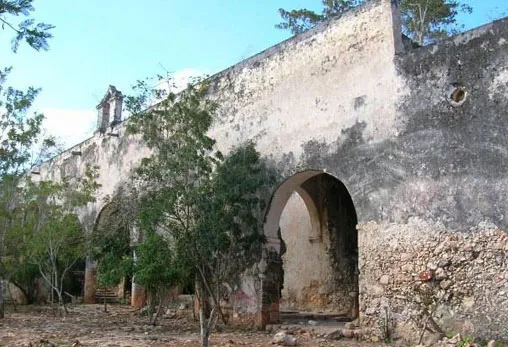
[271,283]
[90,282]
[138,292]
[138,297]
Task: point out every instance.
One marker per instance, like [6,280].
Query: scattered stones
[425,276]
[446,284]
[350,325]
[431,339]
[348,333]
[444,263]
[440,274]
[416,266]
[432,266]
[334,335]
[385,279]
[284,339]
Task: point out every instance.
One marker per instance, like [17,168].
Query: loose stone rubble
[460,279]
[282,338]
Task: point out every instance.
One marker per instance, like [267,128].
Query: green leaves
[208,207]
[229,231]
[298,21]
[424,21]
[109,242]
[200,213]
[156,264]
[175,176]
[35,34]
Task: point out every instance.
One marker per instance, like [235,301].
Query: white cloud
[180,79]
[69,126]
[185,76]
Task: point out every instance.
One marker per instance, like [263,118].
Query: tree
[57,240]
[424,21]
[228,236]
[112,268]
[20,135]
[176,176]
[207,208]
[159,269]
[18,268]
[298,21]
[36,35]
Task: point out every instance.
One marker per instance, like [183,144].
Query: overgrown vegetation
[424,21]
[56,239]
[205,208]
[37,218]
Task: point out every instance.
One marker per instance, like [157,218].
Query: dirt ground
[88,325]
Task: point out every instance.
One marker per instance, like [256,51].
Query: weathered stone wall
[114,156]
[413,269]
[314,86]
[345,99]
[310,90]
[444,192]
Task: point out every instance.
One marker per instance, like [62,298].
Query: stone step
[106,294]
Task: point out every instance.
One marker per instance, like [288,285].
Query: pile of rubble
[415,270]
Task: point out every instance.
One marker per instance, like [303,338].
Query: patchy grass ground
[87,325]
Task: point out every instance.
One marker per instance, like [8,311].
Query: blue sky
[97,43]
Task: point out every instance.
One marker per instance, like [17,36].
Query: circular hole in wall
[458,96]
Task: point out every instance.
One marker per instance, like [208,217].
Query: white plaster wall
[306,264]
[306,88]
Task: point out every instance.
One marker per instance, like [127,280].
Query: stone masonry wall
[408,270]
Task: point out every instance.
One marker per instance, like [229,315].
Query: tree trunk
[61,305]
[205,336]
[104,299]
[2,313]
[156,315]
[204,313]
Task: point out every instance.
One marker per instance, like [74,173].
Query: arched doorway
[110,237]
[311,250]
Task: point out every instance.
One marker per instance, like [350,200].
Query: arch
[278,201]
[314,214]
[111,231]
[333,222]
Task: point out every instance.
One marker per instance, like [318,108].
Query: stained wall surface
[346,98]
[308,272]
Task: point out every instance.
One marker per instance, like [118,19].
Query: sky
[97,43]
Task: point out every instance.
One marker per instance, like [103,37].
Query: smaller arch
[278,201]
[315,216]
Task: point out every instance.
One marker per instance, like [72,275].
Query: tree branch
[9,25]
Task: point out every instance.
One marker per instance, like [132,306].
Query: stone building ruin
[395,162]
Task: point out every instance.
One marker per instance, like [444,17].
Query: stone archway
[311,249]
[109,230]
